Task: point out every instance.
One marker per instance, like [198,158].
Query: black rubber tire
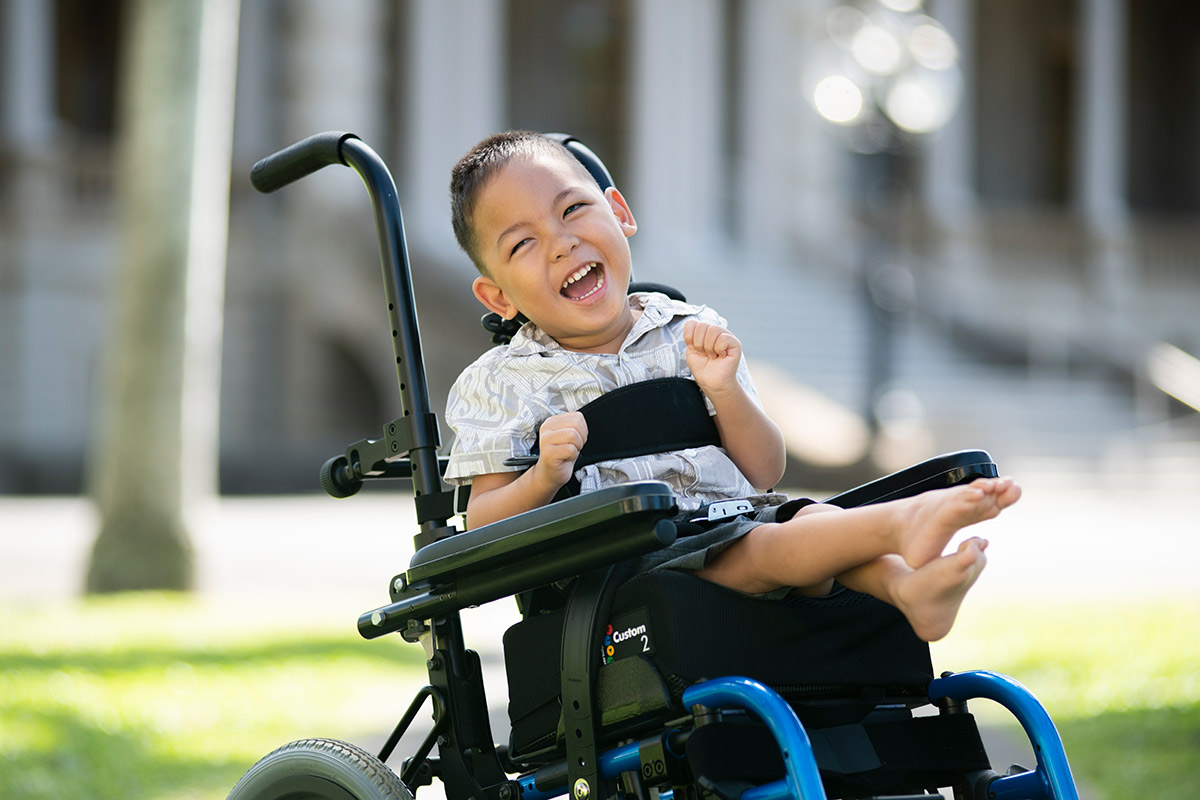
[320,768]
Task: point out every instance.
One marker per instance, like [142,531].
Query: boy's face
[555,249]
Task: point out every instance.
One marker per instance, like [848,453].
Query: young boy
[550,245]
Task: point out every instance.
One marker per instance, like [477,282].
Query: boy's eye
[573,207]
[517,247]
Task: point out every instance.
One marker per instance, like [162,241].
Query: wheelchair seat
[848,664]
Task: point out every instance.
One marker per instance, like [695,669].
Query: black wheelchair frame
[581,536]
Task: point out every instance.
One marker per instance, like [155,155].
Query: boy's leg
[812,548]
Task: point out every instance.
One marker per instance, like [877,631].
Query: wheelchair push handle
[417,430]
[298,160]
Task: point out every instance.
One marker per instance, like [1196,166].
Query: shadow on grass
[89,762]
[140,722]
[242,656]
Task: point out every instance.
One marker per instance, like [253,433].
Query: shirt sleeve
[490,421]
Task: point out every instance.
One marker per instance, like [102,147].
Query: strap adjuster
[725,509]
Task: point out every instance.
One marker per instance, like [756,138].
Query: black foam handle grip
[302,158]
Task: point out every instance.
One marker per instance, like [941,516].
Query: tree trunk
[156,448]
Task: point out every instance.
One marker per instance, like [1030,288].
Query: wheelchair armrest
[939,472]
[529,550]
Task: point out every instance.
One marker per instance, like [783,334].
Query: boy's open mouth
[584,282]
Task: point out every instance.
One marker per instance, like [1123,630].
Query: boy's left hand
[712,355]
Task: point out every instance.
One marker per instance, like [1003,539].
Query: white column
[677,75]
[27,125]
[335,82]
[256,134]
[949,191]
[456,73]
[788,164]
[1100,192]
[821,209]
[1101,153]
[28,73]
[763,195]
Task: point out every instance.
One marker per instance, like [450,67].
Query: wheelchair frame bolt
[581,790]
[399,584]
[505,791]
[434,664]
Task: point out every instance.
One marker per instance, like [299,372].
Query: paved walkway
[1103,540]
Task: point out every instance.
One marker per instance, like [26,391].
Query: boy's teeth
[582,271]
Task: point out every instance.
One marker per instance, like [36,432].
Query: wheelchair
[613,693]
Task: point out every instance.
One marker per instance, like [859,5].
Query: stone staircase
[813,326]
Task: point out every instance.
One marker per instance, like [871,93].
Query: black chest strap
[655,416]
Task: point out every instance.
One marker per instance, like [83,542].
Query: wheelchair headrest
[584,154]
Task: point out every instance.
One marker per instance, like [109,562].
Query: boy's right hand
[560,439]
[499,495]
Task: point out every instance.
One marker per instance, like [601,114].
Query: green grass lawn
[1122,683]
[160,696]
[157,696]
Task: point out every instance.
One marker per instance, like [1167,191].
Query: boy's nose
[564,245]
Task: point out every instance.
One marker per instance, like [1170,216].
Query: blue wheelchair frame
[453,571]
[1051,779]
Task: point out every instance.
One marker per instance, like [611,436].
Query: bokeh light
[903,6]
[885,57]
[922,101]
[838,99]
[877,50]
[931,46]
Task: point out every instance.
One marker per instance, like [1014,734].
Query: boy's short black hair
[476,168]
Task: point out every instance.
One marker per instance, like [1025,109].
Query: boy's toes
[1011,494]
[971,550]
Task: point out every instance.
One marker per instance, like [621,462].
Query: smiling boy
[551,245]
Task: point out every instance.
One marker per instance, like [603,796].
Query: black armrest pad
[564,524]
[526,551]
[939,472]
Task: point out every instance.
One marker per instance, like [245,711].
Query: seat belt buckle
[725,509]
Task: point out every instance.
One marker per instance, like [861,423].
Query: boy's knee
[817,508]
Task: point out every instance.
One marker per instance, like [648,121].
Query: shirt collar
[657,311]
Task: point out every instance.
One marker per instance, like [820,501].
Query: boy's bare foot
[934,517]
[930,596]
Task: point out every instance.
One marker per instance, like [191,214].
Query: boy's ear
[493,297]
[621,210]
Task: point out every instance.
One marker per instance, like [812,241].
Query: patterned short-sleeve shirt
[498,403]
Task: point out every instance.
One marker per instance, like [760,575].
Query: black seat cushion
[834,658]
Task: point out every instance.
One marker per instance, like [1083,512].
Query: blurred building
[1049,227]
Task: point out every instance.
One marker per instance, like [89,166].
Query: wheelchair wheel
[323,769]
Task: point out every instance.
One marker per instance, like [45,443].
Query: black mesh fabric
[900,754]
[839,645]
[847,646]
